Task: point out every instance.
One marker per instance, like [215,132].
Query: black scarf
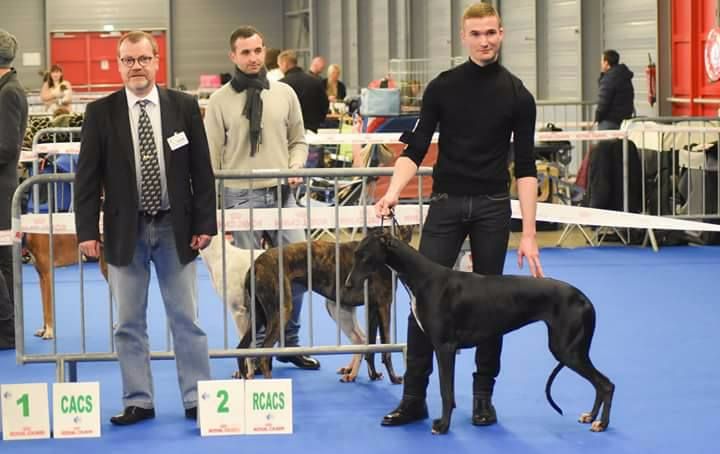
[253,110]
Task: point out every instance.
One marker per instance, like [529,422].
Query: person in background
[254,123]
[478,106]
[334,88]
[317,66]
[13,122]
[144,161]
[271,64]
[56,92]
[309,90]
[616,95]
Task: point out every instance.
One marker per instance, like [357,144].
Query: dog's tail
[548,385]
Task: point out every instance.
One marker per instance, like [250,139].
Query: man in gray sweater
[254,123]
[13,121]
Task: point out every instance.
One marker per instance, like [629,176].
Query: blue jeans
[450,219]
[268,198]
[129,284]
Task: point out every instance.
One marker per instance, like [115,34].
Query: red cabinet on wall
[692,92]
[89,59]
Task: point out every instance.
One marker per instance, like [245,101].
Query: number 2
[222,408]
[24,400]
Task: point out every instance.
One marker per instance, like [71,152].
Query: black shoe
[409,410]
[301,361]
[132,415]
[483,411]
[191,413]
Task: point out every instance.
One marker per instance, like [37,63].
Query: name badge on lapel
[177,140]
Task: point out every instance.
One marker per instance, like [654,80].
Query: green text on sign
[224,396]
[268,401]
[24,400]
[76,404]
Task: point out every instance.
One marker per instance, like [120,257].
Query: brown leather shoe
[409,410]
[132,415]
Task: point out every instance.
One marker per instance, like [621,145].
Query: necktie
[149,166]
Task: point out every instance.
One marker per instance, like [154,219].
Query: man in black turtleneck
[478,106]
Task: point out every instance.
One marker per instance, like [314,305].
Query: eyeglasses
[143,60]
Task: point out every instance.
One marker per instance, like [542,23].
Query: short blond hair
[135,37]
[288,56]
[479,10]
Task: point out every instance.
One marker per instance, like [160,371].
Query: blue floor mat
[656,339]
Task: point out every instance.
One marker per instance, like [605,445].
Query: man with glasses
[144,148]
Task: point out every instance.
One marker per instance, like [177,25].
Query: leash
[394,230]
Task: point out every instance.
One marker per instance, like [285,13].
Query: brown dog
[65,252]
[267,294]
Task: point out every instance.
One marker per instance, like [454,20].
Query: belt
[147,217]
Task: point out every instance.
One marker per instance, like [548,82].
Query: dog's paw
[348,378]
[376,376]
[45,333]
[344,370]
[440,427]
[597,426]
[395,380]
[585,418]
[237,375]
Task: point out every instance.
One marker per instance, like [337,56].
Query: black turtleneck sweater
[478,109]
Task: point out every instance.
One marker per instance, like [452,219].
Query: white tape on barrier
[606,218]
[324,218]
[390,137]
[57,148]
[394,138]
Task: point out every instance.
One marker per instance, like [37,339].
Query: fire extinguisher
[650,78]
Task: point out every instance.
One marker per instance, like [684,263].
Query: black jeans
[449,221]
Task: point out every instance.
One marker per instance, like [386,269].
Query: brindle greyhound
[323,282]
[458,310]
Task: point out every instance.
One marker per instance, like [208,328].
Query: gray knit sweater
[282,146]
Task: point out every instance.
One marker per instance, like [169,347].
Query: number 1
[25,402]
[222,408]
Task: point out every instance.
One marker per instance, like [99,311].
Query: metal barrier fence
[55,147]
[678,135]
[678,166]
[66,362]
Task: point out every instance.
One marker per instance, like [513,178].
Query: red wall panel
[90,59]
[691,22]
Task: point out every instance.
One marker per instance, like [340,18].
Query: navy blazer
[106,165]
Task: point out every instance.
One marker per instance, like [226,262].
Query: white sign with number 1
[221,407]
[25,411]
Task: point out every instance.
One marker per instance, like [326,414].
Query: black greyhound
[458,310]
